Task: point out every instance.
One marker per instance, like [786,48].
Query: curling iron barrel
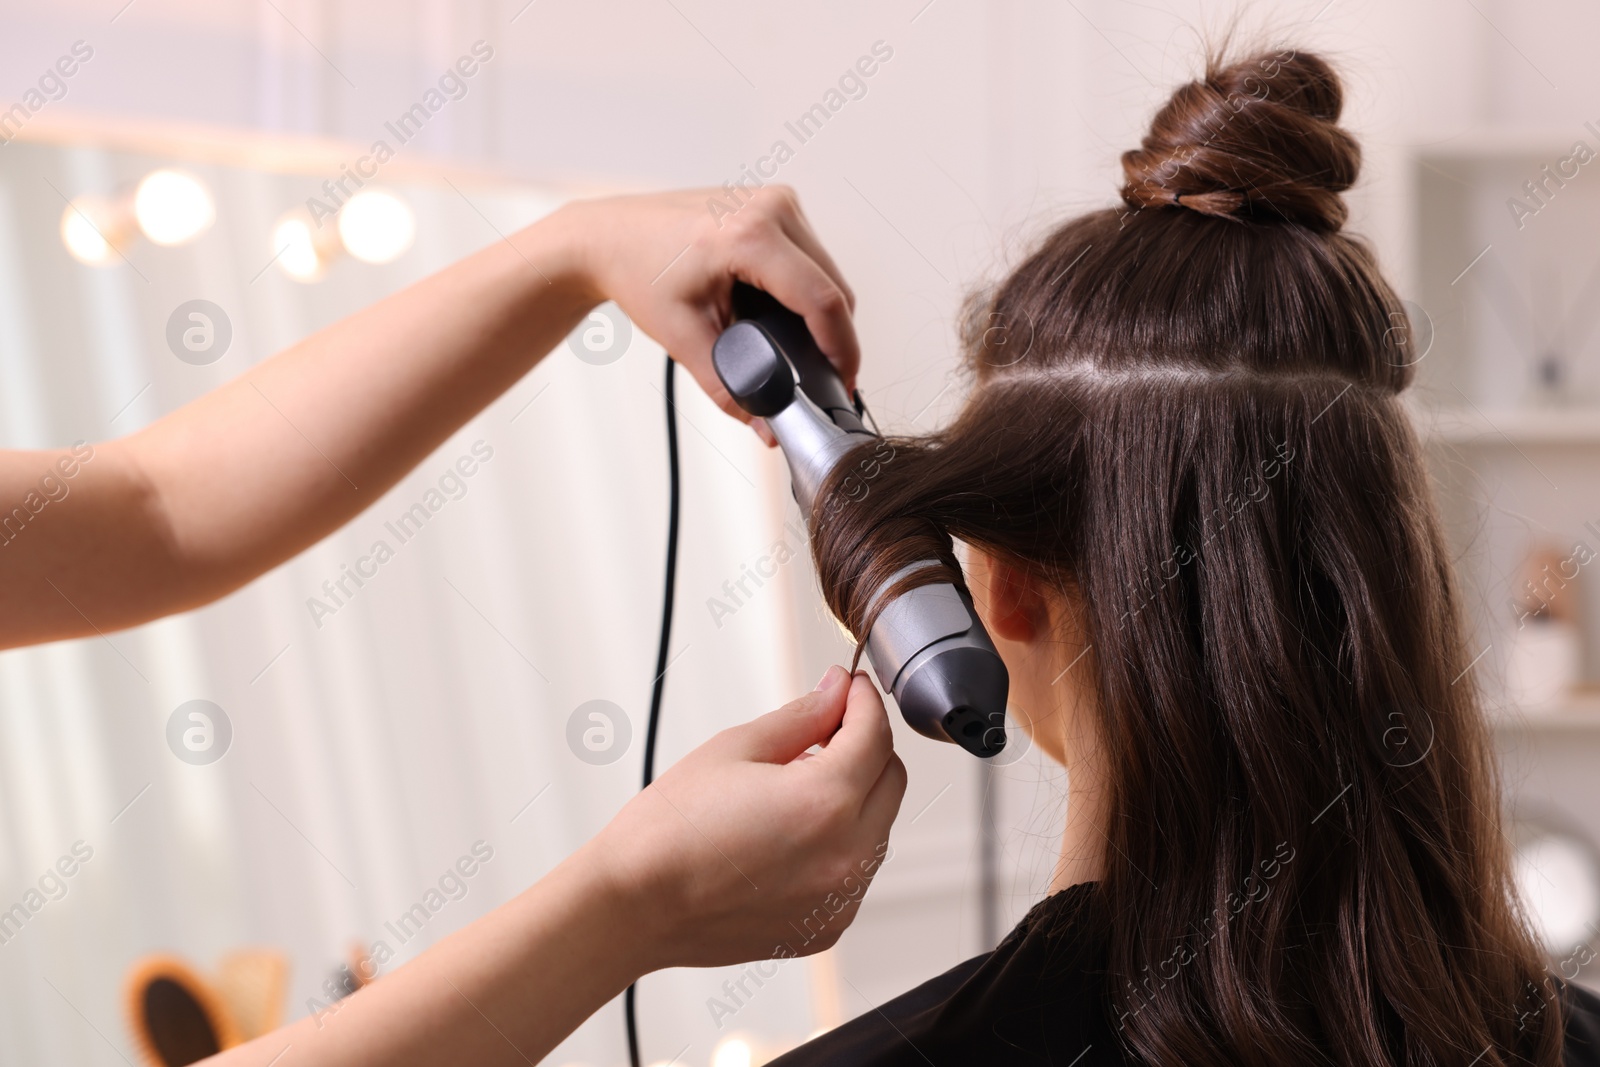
[927,646]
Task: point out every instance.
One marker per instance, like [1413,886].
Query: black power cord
[656,687]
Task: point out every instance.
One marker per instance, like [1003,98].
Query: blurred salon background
[267,786]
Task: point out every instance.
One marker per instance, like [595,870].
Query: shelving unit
[1504,295]
[1510,427]
[1577,715]
[1514,451]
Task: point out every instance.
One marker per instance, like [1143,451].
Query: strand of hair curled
[865,531]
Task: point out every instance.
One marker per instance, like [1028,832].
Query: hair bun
[1255,139]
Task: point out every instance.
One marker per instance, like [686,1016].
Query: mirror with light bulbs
[141,267]
[126,199]
[172,207]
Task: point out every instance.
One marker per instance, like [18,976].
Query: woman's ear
[1015,603]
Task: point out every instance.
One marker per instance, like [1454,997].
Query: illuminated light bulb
[734,1052]
[98,229]
[300,250]
[296,252]
[85,226]
[377,226]
[173,207]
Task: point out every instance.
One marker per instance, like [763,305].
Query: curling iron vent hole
[982,735]
[972,727]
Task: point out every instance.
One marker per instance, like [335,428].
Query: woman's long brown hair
[1186,412]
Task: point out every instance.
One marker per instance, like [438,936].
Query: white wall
[990,120]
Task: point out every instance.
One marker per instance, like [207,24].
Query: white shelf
[1475,144]
[1580,714]
[1509,427]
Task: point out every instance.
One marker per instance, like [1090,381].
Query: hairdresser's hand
[669,260]
[751,847]
[748,848]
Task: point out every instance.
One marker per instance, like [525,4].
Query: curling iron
[927,646]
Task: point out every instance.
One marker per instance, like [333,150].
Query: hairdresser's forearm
[345,413]
[505,990]
[227,487]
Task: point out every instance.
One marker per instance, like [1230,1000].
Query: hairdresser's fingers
[766,258]
[781,736]
[883,799]
[864,743]
[798,227]
[692,334]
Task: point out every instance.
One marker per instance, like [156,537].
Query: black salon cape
[1039,999]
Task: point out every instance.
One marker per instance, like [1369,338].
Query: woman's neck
[1084,840]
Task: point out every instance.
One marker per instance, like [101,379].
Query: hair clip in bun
[1177,199]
